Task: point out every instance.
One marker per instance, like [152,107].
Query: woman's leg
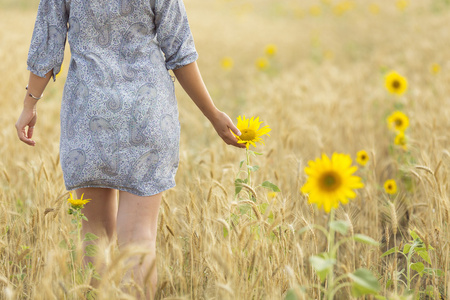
[101,213]
[137,222]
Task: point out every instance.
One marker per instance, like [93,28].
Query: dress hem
[125,189]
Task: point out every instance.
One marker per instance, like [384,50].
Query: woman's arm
[28,117]
[191,80]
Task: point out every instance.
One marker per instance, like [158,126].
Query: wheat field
[322,92]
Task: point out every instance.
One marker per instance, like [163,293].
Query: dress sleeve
[173,33]
[49,38]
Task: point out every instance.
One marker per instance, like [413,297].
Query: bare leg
[101,213]
[137,222]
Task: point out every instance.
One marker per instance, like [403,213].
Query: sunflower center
[330,181]
[247,134]
[389,186]
[396,84]
[363,157]
[398,122]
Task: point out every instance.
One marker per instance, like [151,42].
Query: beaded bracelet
[32,96]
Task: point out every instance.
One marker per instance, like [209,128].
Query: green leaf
[293,295]
[90,237]
[73,221]
[225,232]
[238,185]
[241,163]
[364,283]
[290,295]
[244,208]
[365,239]
[418,267]
[414,235]
[425,256]
[389,283]
[91,250]
[263,207]
[390,251]
[253,168]
[63,244]
[254,153]
[322,266]
[339,226]
[379,297]
[431,271]
[406,248]
[269,185]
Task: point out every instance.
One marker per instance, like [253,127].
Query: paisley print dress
[119,114]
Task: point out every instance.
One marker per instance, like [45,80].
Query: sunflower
[331,181]
[395,83]
[315,10]
[374,9]
[270,50]
[227,63]
[77,203]
[435,68]
[362,157]
[390,186]
[250,131]
[262,63]
[402,4]
[398,121]
[60,69]
[272,195]
[400,140]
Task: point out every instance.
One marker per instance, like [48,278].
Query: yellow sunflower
[77,203]
[374,9]
[390,186]
[272,195]
[315,10]
[250,131]
[402,4]
[398,121]
[330,181]
[435,68]
[271,50]
[60,69]
[227,63]
[395,83]
[362,157]
[262,63]
[400,140]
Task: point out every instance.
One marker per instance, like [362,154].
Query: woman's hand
[28,118]
[222,124]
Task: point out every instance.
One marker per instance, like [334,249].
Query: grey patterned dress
[119,114]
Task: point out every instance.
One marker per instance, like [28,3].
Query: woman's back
[119,115]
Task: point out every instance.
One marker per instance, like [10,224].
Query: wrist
[33,95]
[29,102]
[212,113]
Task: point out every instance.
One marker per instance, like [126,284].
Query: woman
[119,116]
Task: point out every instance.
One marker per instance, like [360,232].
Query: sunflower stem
[332,253]
[249,178]
[79,226]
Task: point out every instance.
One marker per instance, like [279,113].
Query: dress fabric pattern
[119,114]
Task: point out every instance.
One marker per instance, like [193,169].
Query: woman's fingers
[24,136]
[28,119]
[230,139]
[234,128]
[30,131]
